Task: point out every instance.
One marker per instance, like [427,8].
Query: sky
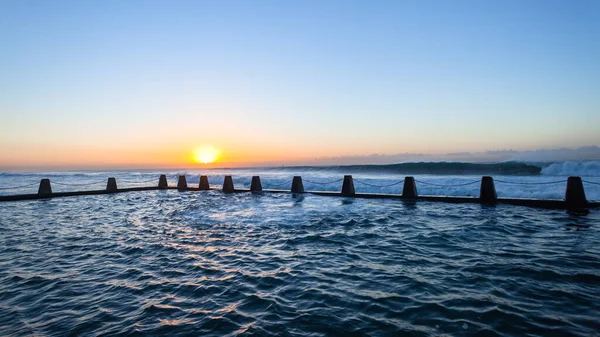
[140,84]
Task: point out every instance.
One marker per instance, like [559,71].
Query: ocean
[204,263]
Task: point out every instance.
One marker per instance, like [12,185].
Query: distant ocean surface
[514,180]
[210,264]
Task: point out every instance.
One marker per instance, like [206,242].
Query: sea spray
[582,169]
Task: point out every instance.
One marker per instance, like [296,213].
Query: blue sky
[135,82]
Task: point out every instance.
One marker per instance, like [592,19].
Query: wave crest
[569,168]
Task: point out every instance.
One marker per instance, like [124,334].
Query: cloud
[541,155]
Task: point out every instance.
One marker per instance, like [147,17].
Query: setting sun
[206,154]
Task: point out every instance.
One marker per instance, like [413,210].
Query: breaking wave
[569,168]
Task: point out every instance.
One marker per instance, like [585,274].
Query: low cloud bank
[543,155]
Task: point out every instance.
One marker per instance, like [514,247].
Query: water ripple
[189,263]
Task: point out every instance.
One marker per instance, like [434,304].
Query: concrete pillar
[348,186]
[409,191]
[182,183]
[204,185]
[228,185]
[255,186]
[487,191]
[111,185]
[45,188]
[162,182]
[297,186]
[575,194]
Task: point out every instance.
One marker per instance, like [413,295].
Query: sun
[206,154]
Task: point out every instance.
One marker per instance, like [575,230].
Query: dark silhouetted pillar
[45,188]
[409,190]
[575,194]
[111,185]
[348,186]
[255,186]
[204,185]
[182,183]
[162,182]
[228,185]
[487,192]
[297,186]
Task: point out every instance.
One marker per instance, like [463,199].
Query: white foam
[569,168]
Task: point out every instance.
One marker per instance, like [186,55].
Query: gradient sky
[136,84]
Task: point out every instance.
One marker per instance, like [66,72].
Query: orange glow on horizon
[184,153]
